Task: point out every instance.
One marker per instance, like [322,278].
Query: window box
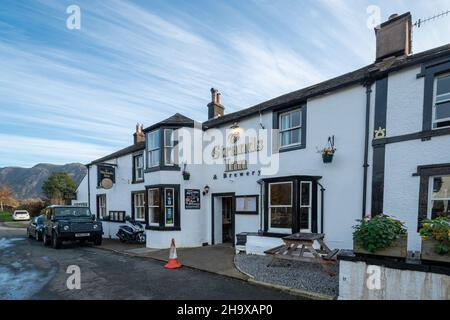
[428,252]
[398,249]
[186,175]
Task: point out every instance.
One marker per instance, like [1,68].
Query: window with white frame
[280,207]
[168,147]
[290,127]
[305,206]
[139,206]
[153,147]
[154,207]
[439,197]
[441,110]
[101,206]
[138,164]
[169,206]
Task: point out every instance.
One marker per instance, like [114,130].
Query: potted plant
[185,173]
[328,151]
[381,236]
[435,236]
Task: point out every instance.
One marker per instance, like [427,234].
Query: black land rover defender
[64,223]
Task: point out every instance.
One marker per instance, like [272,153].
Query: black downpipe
[322,201]
[89,187]
[366,146]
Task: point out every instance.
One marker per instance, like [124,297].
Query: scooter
[133,231]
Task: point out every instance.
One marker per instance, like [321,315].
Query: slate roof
[176,120]
[123,152]
[355,77]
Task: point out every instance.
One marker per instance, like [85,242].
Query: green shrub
[379,232]
[437,229]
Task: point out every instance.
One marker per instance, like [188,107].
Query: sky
[74,95]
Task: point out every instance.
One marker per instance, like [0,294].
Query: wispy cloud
[143,61]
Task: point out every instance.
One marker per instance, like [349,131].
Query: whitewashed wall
[404,115]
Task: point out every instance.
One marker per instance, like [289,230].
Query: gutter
[368,86]
[89,186]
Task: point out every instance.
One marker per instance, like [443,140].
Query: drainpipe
[261,216]
[368,86]
[322,201]
[89,187]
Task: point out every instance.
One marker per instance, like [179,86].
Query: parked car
[21,215]
[36,228]
[70,223]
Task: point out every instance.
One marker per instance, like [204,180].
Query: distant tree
[33,206]
[57,185]
[6,198]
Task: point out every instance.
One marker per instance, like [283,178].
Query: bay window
[163,207]
[441,110]
[439,197]
[280,206]
[153,147]
[168,147]
[154,207]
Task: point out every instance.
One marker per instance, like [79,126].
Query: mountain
[27,183]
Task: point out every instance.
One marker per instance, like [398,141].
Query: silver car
[21,215]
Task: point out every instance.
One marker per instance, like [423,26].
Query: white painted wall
[395,284]
[82,192]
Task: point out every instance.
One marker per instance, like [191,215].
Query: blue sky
[75,95]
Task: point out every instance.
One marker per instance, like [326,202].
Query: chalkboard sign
[191,199]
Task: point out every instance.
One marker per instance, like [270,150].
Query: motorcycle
[133,231]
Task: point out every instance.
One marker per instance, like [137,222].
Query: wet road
[28,270]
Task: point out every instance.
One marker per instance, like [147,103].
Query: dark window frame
[430,71]
[138,154]
[296,180]
[276,126]
[133,211]
[98,207]
[177,215]
[425,172]
[162,166]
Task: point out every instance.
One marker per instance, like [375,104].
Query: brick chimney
[215,109]
[394,37]
[139,135]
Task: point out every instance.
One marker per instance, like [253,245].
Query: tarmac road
[29,270]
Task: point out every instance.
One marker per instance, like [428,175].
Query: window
[441,110]
[101,206]
[138,167]
[153,146]
[139,206]
[169,201]
[280,206]
[290,128]
[154,207]
[168,147]
[439,197]
[305,206]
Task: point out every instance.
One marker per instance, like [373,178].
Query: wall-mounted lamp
[234,133]
[205,190]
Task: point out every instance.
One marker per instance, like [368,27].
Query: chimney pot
[215,108]
[139,135]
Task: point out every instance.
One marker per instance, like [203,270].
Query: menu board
[247,204]
[191,199]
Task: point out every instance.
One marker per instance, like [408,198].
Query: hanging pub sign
[106,176]
[191,199]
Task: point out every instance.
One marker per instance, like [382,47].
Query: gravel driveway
[292,274]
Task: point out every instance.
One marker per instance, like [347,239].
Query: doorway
[222,218]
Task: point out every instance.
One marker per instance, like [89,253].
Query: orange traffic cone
[173,259]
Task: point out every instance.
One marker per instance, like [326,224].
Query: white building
[390,122]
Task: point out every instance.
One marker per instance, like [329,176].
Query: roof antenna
[421,22]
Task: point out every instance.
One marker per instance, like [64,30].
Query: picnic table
[300,247]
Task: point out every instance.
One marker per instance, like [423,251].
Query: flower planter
[428,252]
[186,176]
[399,249]
[327,158]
